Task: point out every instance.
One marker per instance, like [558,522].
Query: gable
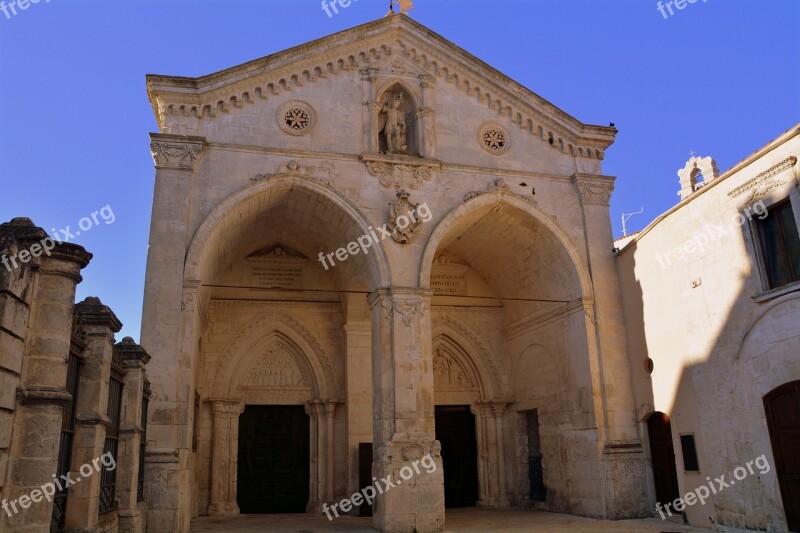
[394,44]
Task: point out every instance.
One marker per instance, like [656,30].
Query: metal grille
[142,446]
[108,481]
[59,514]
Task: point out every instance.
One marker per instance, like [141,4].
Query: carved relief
[296,117]
[400,176]
[760,185]
[403,218]
[594,193]
[175,155]
[275,368]
[494,138]
[448,371]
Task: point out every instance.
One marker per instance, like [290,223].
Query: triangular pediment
[395,45]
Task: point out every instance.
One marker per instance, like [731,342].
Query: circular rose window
[493,138]
[296,117]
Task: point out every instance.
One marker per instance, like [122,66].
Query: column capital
[176,152]
[593,189]
[226,408]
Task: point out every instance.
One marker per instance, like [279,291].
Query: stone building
[73,404]
[370,248]
[712,304]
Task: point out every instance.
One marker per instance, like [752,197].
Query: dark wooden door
[455,429]
[782,407]
[662,454]
[273,473]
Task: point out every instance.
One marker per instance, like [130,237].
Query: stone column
[314,500]
[623,455]
[368,77]
[49,295]
[497,410]
[330,408]
[99,324]
[175,158]
[426,117]
[402,374]
[224,457]
[134,359]
[485,488]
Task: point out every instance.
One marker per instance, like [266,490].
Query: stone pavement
[458,521]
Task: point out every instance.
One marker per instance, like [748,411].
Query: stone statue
[394,127]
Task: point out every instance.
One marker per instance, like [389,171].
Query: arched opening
[269,286]
[510,335]
[782,408]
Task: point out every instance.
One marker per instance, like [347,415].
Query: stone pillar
[426,118]
[358,402]
[314,498]
[368,77]
[224,457]
[168,476]
[40,391]
[498,408]
[623,455]
[133,358]
[330,409]
[485,483]
[99,324]
[402,374]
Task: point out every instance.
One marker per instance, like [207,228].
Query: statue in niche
[393,125]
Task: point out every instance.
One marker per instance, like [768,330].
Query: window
[780,245]
[689,451]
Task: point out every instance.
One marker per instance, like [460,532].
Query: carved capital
[175,152]
[223,408]
[593,190]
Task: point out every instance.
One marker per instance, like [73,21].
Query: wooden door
[662,455]
[782,407]
[273,470]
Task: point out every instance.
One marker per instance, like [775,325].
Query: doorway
[273,468]
[662,457]
[782,407]
[455,429]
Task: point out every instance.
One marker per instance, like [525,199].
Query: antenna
[626,216]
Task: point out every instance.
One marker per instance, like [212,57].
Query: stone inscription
[276,274]
[450,283]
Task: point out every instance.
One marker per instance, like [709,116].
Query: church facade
[370,251]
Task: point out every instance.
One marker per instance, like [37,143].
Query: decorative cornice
[593,189]
[177,152]
[760,185]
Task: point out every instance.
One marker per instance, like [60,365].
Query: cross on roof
[691,152]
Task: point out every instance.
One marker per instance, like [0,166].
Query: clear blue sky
[719,78]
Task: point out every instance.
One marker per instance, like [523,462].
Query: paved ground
[458,521]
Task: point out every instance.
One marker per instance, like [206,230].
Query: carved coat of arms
[403,218]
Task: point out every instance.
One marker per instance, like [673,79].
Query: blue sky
[719,78]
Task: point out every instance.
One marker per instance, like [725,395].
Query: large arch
[234,215]
[471,210]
